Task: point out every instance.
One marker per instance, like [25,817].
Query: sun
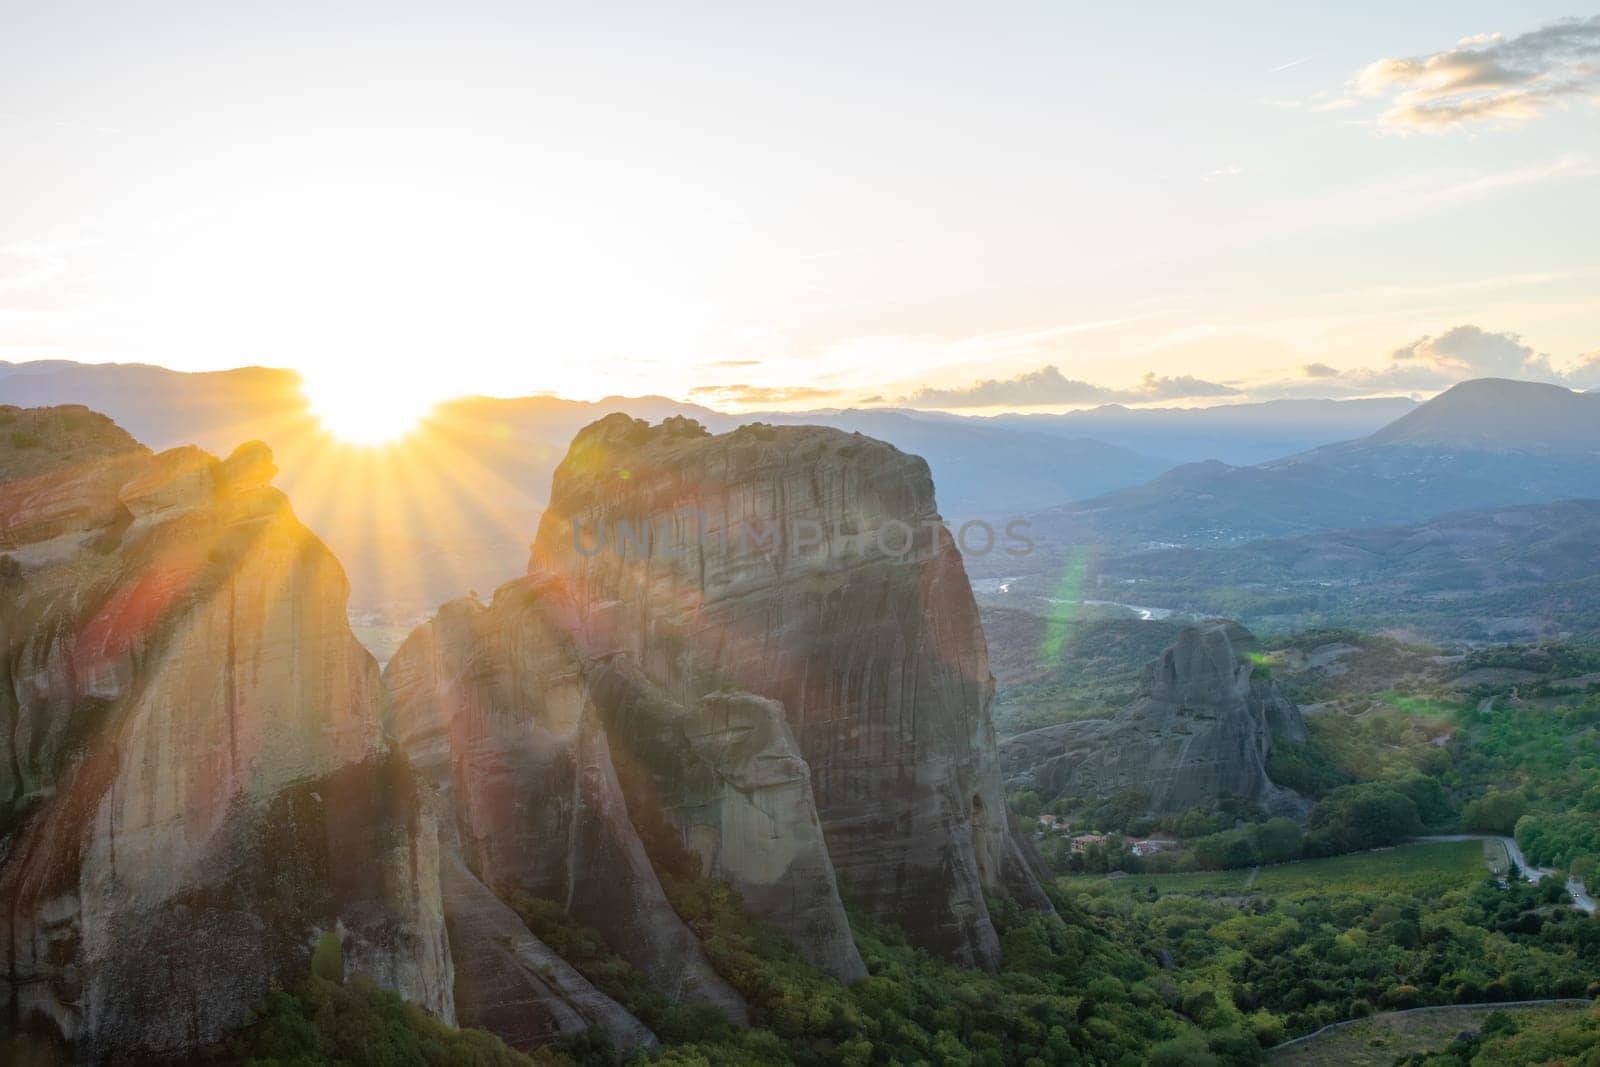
[369,412]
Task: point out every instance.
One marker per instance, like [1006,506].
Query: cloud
[1183,387]
[1586,374]
[1486,78]
[1047,386]
[1232,170]
[31,265]
[761,394]
[1474,352]
[1435,362]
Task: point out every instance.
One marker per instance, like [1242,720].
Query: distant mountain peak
[1499,414]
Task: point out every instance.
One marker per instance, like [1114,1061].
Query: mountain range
[485,462]
[1473,516]
[1483,443]
[482,464]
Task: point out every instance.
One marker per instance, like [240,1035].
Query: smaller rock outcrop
[1201,729]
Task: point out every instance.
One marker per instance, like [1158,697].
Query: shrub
[327,959]
[1495,812]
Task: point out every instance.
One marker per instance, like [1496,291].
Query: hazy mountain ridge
[487,464]
[1445,456]
[1236,434]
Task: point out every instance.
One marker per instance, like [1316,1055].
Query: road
[1575,887]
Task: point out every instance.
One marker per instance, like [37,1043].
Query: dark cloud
[1488,77]
[1048,386]
[1320,370]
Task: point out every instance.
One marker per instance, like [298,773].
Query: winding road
[1575,887]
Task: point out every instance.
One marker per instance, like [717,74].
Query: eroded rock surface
[494,706]
[192,773]
[1202,729]
[809,567]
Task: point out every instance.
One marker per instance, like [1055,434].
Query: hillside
[1453,453]
[1233,433]
[1494,413]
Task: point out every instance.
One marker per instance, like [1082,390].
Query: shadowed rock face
[493,706]
[809,567]
[191,769]
[574,780]
[1201,730]
[719,789]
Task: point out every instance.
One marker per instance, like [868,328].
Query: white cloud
[1486,78]
[1047,386]
[1470,351]
[1435,362]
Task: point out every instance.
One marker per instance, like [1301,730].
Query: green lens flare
[1066,605]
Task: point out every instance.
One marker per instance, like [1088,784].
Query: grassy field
[1433,866]
[1380,1040]
[1217,882]
[1425,866]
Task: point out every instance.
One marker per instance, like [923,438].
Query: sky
[970,207]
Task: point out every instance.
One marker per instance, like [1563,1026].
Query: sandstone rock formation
[785,687]
[572,779]
[192,775]
[1202,729]
[493,706]
[808,567]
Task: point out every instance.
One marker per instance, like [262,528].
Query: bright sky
[808,206]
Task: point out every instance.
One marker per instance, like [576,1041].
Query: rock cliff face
[192,775]
[494,708]
[784,687]
[809,568]
[1201,730]
[572,780]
